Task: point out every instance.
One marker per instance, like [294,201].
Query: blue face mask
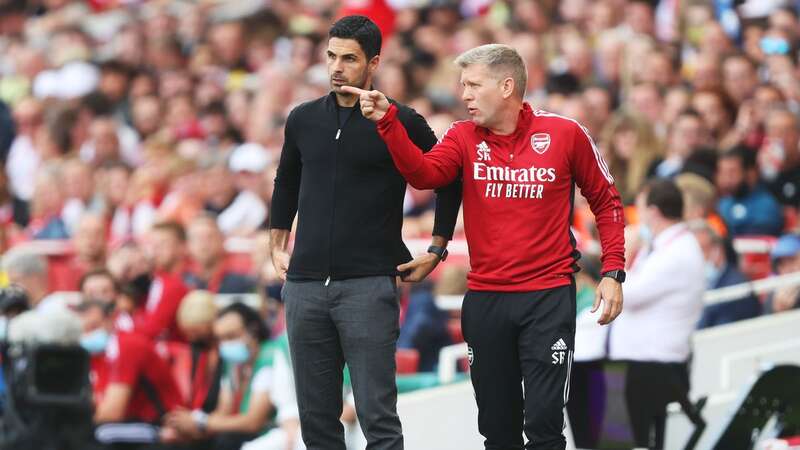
[774,46]
[712,274]
[96,341]
[645,233]
[234,352]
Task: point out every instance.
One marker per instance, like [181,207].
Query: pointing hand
[373,103]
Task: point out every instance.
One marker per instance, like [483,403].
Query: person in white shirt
[248,211]
[663,302]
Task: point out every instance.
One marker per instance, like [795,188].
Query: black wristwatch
[441,252]
[618,275]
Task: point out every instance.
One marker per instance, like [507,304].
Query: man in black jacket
[340,294]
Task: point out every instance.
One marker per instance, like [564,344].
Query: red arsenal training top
[518,195]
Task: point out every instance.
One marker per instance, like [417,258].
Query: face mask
[774,46]
[772,156]
[712,274]
[645,233]
[96,341]
[234,352]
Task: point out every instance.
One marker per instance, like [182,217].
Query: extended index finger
[354,90]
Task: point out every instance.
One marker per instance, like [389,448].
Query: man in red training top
[519,168]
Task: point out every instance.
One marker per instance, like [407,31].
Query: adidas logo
[560,345]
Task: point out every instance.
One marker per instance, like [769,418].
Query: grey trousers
[354,321]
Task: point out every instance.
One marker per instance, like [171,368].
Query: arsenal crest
[540,142]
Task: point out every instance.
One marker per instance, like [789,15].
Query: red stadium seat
[407,361]
[239,262]
[754,260]
[454,330]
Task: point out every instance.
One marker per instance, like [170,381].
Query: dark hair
[97,103]
[216,107]
[745,155]
[665,195]
[117,67]
[173,227]
[98,273]
[253,323]
[362,30]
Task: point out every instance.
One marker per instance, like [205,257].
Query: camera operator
[131,380]
[47,403]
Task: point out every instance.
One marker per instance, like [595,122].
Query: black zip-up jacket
[348,196]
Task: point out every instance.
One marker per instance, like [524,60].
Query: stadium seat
[407,361]
[454,329]
[754,260]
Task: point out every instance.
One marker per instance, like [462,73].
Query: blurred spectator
[785,259]
[196,317]
[739,78]
[247,212]
[128,374]
[103,145]
[745,204]
[90,242]
[685,135]
[699,201]
[47,204]
[166,248]
[249,396]
[9,213]
[7,130]
[23,156]
[779,157]
[99,285]
[721,270]
[663,302]
[79,193]
[717,112]
[630,147]
[132,211]
[210,269]
[29,271]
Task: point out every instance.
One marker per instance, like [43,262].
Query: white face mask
[772,158]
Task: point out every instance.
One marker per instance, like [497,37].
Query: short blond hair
[500,59]
[697,191]
[197,308]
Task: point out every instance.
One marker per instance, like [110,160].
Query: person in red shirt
[520,168]
[210,267]
[131,379]
[167,243]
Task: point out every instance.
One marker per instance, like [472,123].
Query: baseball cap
[786,245]
[249,157]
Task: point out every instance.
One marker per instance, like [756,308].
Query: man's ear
[373,64]
[508,87]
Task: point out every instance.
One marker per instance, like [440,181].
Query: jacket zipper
[333,189]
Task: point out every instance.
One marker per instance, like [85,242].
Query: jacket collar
[523,125]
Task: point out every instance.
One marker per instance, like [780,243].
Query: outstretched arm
[434,169]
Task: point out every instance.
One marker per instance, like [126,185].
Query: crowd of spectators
[139,139]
